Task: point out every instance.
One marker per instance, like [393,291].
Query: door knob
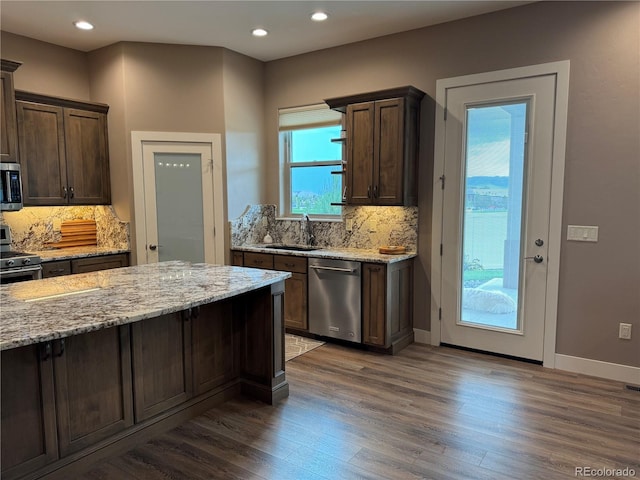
[153,247]
[536,258]
[539,242]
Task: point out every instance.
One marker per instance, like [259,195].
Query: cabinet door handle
[71,192]
[64,192]
[61,352]
[375,191]
[369,191]
[290,265]
[57,270]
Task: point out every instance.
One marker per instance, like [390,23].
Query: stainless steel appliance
[334,299]
[16,266]
[10,187]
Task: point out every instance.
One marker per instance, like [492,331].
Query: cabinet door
[374,292]
[258,260]
[161,364]
[87,157]
[237,258]
[93,387]
[103,262]
[28,412]
[389,152]
[295,302]
[8,124]
[42,154]
[360,144]
[56,269]
[214,346]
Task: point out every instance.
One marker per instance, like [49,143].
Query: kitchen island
[95,362]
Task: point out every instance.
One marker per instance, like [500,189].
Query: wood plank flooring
[428,412]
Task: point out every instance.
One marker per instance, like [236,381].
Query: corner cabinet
[63,148]
[8,122]
[382,139]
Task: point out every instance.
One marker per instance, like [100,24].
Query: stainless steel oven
[10,187]
[16,266]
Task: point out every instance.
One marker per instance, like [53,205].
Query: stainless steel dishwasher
[334,299]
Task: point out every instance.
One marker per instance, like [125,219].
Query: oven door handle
[20,271]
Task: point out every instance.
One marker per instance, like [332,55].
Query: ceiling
[229,23]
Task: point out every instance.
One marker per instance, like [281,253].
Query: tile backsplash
[32,227]
[372,227]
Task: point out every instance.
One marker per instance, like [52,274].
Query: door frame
[138,140]
[561,72]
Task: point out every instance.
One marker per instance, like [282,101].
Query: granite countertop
[70,253]
[42,310]
[353,254]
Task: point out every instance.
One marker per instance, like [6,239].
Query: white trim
[561,71]
[138,138]
[597,368]
[422,336]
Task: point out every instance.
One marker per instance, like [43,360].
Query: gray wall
[599,283]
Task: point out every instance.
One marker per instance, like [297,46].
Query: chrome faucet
[311,238]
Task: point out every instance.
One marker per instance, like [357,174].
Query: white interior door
[178,201]
[496,210]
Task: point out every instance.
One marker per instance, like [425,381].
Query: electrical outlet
[265,221]
[624,331]
[57,224]
[349,224]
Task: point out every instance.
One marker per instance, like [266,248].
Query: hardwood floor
[426,413]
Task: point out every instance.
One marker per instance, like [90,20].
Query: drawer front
[289,263]
[56,269]
[258,260]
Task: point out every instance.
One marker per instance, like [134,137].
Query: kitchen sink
[297,248]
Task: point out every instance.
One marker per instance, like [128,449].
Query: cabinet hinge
[440,249]
[526,137]
[442,179]
[445,114]
[439,314]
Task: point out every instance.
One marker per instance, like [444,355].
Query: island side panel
[262,357]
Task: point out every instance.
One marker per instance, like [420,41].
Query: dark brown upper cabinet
[8,131]
[381,145]
[63,150]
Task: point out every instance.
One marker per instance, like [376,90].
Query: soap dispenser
[267,238]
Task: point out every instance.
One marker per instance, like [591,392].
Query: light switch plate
[349,224]
[582,233]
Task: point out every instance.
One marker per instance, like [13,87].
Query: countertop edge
[350,254]
[76,252]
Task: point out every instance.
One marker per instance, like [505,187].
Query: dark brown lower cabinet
[83,265]
[387,304]
[214,346]
[161,363]
[91,400]
[28,439]
[93,387]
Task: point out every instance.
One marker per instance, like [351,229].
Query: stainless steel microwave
[10,187]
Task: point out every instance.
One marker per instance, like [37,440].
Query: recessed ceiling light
[319,16]
[259,32]
[83,25]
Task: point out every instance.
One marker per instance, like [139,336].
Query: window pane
[314,188]
[493,206]
[314,144]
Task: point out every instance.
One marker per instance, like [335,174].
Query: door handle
[153,246]
[536,258]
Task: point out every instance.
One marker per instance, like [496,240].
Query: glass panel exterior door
[179,206]
[493,207]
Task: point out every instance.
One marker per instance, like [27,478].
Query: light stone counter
[43,310]
[352,254]
[71,253]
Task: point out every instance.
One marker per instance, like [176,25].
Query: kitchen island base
[70,402]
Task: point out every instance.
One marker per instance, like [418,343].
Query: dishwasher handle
[333,269]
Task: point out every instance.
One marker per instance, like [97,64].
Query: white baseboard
[422,336]
[596,368]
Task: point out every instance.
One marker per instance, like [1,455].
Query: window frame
[287,165]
